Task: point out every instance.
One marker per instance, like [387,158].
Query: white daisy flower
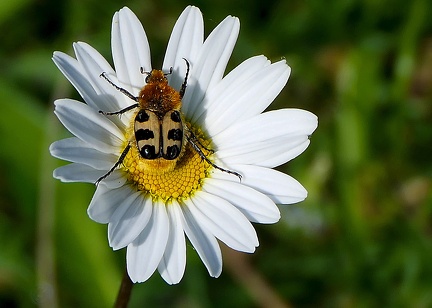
[208,184]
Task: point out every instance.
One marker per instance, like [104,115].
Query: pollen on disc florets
[164,179]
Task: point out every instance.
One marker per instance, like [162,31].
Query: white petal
[173,263]
[214,101]
[204,242]
[91,127]
[78,78]
[270,153]
[94,65]
[250,97]
[92,61]
[145,252]
[268,139]
[211,63]
[284,153]
[224,221]
[130,49]
[129,220]
[78,151]
[116,179]
[77,173]
[267,125]
[106,200]
[280,187]
[185,42]
[256,206]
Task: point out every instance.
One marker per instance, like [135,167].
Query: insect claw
[184,85]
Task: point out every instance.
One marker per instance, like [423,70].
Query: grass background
[361,239]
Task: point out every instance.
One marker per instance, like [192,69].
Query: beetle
[159,128]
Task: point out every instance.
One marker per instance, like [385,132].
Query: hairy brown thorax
[158,96]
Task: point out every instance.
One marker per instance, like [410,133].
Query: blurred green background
[361,239]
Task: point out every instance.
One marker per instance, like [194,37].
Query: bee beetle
[159,129]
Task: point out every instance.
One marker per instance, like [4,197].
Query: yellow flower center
[166,179]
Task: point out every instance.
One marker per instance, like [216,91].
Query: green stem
[124,292]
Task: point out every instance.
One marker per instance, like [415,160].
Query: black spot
[144,134]
[175,134]
[175,116]
[172,152]
[148,152]
[142,116]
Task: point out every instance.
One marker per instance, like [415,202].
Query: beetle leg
[124,91]
[195,142]
[120,111]
[120,160]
